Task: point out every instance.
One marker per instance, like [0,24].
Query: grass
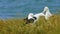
[42,26]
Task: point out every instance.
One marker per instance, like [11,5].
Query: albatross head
[31,14]
[46,9]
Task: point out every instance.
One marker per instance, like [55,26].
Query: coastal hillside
[42,26]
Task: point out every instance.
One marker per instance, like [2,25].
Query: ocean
[21,8]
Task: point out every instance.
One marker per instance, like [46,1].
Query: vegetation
[42,26]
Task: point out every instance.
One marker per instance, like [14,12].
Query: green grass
[42,26]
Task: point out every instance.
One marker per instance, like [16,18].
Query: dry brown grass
[42,26]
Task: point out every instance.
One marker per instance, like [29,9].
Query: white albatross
[35,17]
[47,14]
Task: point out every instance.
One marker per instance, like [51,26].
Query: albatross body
[47,14]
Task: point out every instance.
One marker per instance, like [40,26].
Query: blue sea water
[21,8]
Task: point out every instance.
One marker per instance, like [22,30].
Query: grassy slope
[42,26]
